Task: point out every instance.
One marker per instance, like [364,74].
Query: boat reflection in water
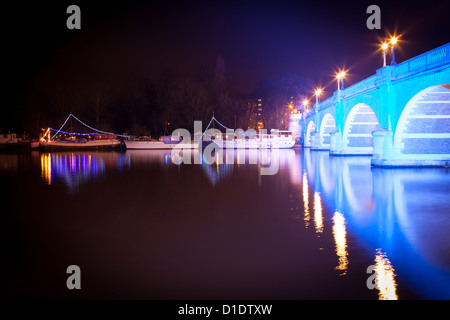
[227,161]
[76,168]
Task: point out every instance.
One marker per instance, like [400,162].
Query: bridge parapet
[428,60]
[330,102]
[363,85]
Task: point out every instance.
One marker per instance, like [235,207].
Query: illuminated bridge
[400,115]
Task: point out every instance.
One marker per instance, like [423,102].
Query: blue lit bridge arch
[400,115]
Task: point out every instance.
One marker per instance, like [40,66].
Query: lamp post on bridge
[305,105]
[338,77]
[342,79]
[318,92]
[393,43]
[384,47]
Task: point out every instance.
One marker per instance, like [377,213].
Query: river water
[140,226]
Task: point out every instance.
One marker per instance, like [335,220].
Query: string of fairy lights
[97,131]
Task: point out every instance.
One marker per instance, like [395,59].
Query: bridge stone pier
[400,115]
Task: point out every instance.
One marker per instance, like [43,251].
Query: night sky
[258,40]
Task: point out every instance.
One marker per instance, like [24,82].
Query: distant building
[255,107]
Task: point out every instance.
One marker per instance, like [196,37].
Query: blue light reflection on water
[401,212]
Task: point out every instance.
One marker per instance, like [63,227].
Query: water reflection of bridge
[393,210]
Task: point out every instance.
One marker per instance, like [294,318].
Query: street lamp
[305,103]
[384,47]
[393,43]
[317,93]
[338,77]
[342,79]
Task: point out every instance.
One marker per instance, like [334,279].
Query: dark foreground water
[141,227]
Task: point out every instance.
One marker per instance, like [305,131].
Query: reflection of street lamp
[384,47]
[393,43]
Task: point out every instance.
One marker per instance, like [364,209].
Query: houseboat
[91,142]
[165,142]
[281,139]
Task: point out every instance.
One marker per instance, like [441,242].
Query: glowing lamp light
[305,102]
[384,47]
[393,42]
[342,74]
[338,77]
[317,93]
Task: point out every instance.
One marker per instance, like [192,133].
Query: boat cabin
[105,136]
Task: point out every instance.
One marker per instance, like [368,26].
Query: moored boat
[165,142]
[14,142]
[100,142]
[281,139]
[34,144]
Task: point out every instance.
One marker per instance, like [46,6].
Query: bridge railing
[367,83]
[331,101]
[424,61]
